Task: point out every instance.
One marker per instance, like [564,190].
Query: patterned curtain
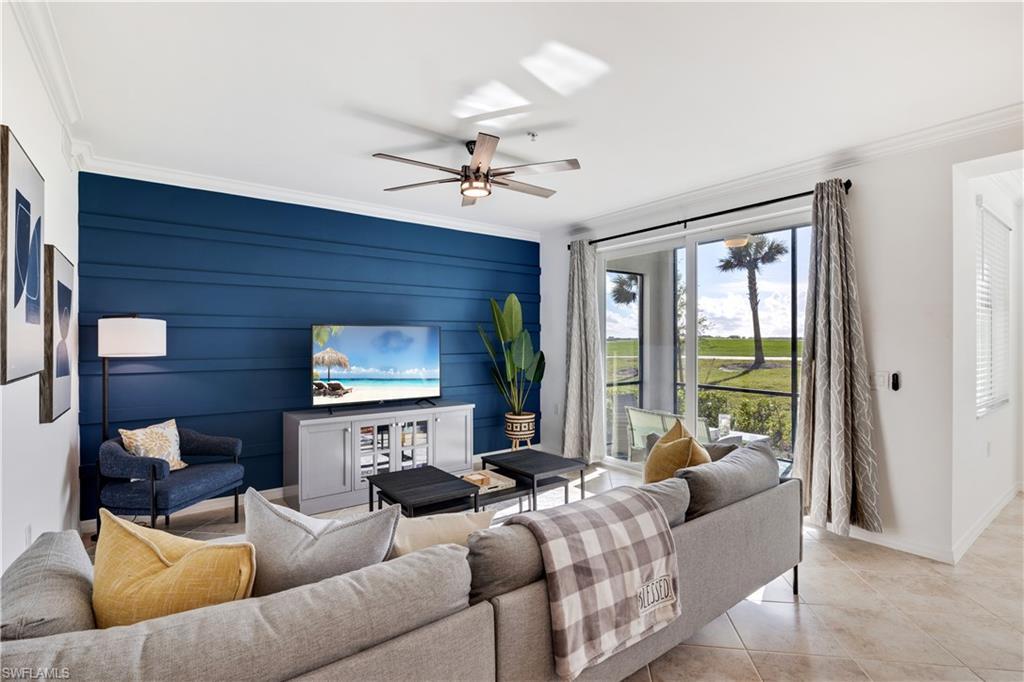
[834,456]
[582,353]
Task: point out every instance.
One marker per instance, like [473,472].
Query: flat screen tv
[354,364]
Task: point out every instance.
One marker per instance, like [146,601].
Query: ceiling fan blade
[483,152]
[538,168]
[468,201]
[420,184]
[423,164]
[523,187]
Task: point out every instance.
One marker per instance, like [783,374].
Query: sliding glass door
[749,307]
[707,328]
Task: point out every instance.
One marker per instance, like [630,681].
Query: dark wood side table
[533,466]
[423,490]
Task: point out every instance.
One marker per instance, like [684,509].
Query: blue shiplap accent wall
[241,280]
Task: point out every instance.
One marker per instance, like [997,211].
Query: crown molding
[969,126]
[83,155]
[36,24]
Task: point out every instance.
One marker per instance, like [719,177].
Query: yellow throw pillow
[676,450]
[440,529]
[159,440]
[143,573]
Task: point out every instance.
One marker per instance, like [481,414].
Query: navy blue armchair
[130,485]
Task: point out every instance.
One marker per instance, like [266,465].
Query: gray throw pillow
[719,450]
[502,559]
[48,589]
[293,549]
[742,473]
[673,495]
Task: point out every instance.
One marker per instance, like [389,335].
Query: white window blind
[992,310]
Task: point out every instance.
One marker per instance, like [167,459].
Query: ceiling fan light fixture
[736,242]
[475,188]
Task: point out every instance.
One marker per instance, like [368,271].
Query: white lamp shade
[132,337]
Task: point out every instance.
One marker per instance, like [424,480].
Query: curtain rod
[847,184]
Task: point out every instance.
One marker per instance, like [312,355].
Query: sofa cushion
[48,589]
[743,472]
[179,489]
[673,494]
[294,549]
[719,450]
[674,450]
[276,637]
[144,573]
[503,559]
[439,529]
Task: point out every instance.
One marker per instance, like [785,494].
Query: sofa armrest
[195,444]
[276,637]
[116,462]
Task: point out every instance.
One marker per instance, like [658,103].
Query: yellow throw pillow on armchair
[677,449]
[142,573]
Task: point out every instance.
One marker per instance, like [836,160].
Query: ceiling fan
[478,177]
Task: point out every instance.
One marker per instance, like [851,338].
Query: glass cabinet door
[373,449]
[414,443]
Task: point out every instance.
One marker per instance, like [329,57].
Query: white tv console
[327,457]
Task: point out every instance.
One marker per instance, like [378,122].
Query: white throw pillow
[293,549]
[440,529]
[159,440]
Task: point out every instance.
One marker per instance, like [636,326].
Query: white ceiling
[297,96]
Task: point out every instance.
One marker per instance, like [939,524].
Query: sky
[722,296]
[386,352]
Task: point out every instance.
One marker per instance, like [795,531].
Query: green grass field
[622,355]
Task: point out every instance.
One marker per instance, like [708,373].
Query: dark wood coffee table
[536,468]
[423,490]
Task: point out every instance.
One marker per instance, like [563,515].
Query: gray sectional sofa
[442,613]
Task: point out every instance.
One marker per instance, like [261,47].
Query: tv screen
[373,364]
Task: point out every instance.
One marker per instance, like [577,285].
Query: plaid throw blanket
[610,564]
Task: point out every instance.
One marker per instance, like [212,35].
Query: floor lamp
[124,336]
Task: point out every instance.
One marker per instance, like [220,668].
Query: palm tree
[323,332]
[624,289]
[756,252]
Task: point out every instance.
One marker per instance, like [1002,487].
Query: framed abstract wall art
[55,380]
[21,262]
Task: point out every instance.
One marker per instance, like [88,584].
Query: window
[992,310]
[624,340]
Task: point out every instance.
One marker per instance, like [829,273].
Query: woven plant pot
[520,426]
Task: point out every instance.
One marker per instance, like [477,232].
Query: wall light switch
[879,381]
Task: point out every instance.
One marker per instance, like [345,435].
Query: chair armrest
[195,444]
[116,462]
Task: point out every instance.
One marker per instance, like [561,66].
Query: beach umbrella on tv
[330,358]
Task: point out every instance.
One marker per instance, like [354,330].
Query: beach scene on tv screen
[359,364]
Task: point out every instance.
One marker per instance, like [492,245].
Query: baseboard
[213,504]
[927,551]
[961,546]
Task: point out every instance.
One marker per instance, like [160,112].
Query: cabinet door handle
[437,419]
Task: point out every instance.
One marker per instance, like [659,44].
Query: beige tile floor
[864,612]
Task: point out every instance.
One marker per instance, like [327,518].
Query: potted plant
[517,371]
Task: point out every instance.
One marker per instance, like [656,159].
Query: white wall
[901,208]
[38,462]
[985,450]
